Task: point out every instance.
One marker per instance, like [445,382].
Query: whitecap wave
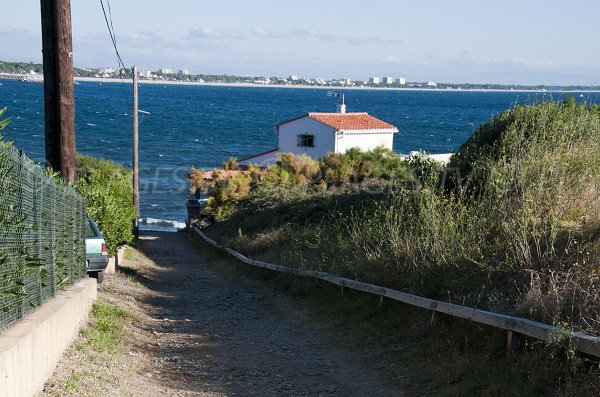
[163,225]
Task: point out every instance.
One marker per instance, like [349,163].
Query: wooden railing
[514,325]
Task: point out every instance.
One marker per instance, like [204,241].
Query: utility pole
[59,101]
[136,193]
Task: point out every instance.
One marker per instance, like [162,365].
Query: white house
[401,80]
[388,80]
[374,80]
[316,134]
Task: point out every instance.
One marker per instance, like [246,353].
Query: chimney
[341,106]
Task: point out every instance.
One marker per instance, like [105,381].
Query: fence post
[513,342]
[36,225]
[20,236]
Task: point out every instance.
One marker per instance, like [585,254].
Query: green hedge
[108,188]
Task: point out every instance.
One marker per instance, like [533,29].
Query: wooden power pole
[136,193]
[59,101]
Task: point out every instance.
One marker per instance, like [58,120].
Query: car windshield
[89,230]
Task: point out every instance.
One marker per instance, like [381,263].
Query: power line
[113,38]
[111,32]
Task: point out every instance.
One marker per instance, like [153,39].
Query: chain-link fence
[41,235]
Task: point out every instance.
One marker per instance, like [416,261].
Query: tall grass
[512,224]
[523,237]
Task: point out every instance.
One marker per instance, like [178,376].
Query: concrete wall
[31,348]
[115,261]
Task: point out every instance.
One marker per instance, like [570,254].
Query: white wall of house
[324,137]
[364,140]
[261,159]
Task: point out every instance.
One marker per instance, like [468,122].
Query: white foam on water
[163,225]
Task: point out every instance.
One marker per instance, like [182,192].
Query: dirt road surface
[202,328]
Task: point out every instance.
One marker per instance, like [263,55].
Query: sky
[477,41]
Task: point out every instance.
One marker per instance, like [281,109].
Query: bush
[108,188]
[523,236]
[297,172]
[225,193]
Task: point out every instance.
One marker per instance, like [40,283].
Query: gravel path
[220,334]
[202,328]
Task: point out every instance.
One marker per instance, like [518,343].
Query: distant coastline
[317,87]
[38,78]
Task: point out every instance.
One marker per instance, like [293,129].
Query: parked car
[96,254]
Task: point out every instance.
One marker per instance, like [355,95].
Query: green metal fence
[41,235]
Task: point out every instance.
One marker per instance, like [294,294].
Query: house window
[306,140]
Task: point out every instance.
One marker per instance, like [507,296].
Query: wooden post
[434,318]
[59,100]
[136,193]
[513,342]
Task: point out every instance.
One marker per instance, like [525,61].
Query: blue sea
[202,126]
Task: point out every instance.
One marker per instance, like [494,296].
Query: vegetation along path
[199,327]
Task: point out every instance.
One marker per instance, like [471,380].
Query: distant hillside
[27,67]
[20,67]
[186,76]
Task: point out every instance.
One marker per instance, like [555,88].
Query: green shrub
[108,188]
[225,194]
[3,123]
[302,167]
[298,173]
[426,171]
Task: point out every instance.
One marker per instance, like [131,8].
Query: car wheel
[99,276]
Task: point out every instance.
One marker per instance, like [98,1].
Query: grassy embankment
[511,225]
[98,345]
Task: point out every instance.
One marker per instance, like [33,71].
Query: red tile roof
[352,121]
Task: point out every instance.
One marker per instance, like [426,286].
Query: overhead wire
[113,38]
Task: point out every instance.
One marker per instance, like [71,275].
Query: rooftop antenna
[341,106]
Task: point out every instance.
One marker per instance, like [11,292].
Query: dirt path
[203,329]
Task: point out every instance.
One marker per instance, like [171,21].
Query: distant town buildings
[388,81]
[166,74]
[105,72]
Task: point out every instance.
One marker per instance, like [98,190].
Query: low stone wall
[31,348]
